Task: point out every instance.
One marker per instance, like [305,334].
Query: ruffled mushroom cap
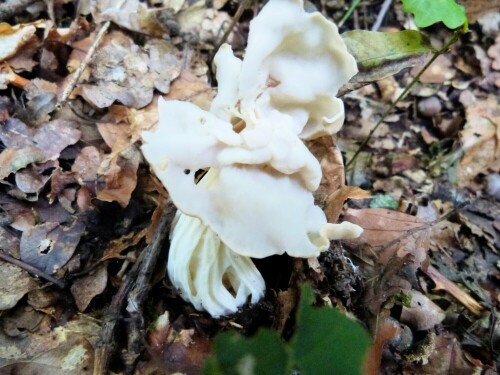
[294,65]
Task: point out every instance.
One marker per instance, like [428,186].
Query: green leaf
[429,12]
[327,341]
[380,55]
[373,49]
[263,354]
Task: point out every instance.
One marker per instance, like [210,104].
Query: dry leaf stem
[439,52]
[86,61]
[31,269]
[239,12]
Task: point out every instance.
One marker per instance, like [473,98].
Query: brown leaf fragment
[87,287]
[33,178]
[440,71]
[9,242]
[122,71]
[86,165]
[49,246]
[14,159]
[65,350]
[422,314]
[130,14]
[336,200]
[480,140]
[443,283]
[189,87]
[477,8]
[117,175]
[175,350]
[116,247]
[50,138]
[15,284]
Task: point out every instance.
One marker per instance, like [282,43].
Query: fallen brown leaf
[49,246]
[15,284]
[87,287]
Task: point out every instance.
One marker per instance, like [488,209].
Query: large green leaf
[262,354]
[429,12]
[373,49]
[326,341]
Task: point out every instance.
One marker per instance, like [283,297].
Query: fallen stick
[137,279]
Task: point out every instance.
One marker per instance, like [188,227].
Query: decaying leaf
[175,350]
[66,350]
[480,140]
[396,233]
[14,159]
[131,14]
[87,287]
[49,138]
[50,246]
[382,54]
[117,173]
[15,284]
[123,71]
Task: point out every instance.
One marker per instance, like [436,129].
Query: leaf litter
[77,200]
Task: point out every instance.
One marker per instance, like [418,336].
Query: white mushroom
[256,198]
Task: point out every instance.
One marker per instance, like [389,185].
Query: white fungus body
[257,198]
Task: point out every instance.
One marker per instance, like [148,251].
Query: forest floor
[84,222]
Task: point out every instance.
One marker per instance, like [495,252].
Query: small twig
[12,7]
[239,12]
[381,15]
[86,61]
[106,345]
[347,14]
[31,269]
[452,40]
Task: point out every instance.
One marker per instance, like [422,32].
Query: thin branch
[239,12]
[381,15]
[86,61]
[31,269]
